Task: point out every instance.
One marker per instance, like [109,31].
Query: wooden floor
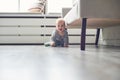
[36,62]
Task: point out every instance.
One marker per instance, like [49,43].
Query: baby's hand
[65,45]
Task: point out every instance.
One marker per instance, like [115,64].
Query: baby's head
[60,24]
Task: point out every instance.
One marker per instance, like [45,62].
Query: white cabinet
[25,28]
[21,34]
[75,33]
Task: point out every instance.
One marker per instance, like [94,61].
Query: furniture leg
[83,33]
[97,36]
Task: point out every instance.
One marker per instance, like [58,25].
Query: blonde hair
[59,20]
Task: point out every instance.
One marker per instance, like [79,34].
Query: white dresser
[26,28]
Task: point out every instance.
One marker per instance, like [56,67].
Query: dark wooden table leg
[97,36]
[83,33]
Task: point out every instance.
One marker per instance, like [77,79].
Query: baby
[59,37]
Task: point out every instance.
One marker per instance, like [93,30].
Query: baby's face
[60,26]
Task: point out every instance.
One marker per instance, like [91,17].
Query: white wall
[55,6]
